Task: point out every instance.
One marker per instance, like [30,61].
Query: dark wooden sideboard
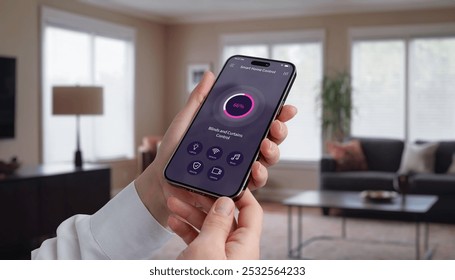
[36,199]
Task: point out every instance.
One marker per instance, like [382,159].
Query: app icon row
[215,173]
[214,153]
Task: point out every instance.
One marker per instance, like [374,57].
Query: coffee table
[415,206]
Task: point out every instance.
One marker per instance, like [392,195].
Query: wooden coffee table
[415,206]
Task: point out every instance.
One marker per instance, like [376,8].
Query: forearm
[122,229]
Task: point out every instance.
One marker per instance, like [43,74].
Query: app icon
[234,158]
[214,153]
[195,167]
[194,148]
[238,105]
[215,173]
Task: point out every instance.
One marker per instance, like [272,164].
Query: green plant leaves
[336,103]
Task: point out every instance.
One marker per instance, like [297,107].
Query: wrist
[149,187]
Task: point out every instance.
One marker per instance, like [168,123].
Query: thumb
[181,121]
[197,97]
[218,223]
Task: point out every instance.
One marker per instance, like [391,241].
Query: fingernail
[224,206]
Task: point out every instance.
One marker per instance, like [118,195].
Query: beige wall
[20,37]
[200,43]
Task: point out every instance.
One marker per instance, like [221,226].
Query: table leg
[343,227]
[299,233]
[290,231]
[426,230]
[428,252]
[417,241]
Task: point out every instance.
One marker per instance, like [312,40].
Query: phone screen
[217,151]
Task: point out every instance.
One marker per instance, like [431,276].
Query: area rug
[367,239]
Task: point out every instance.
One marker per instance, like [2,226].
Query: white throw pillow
[451,169]
[418,158]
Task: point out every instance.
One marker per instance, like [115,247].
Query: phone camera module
[260,63]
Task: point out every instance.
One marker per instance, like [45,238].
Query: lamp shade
[77,100]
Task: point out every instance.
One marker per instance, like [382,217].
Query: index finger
[287,113]
[250,213]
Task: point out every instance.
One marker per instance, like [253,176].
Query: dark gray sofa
[383,158]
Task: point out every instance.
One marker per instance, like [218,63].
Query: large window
[404,87]
[432,88]
[378,72]
[305,50]
[82,51]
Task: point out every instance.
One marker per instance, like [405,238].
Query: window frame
[271,38]
[406,33]
[279,38]
[56,18]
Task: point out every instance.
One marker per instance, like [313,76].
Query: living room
[167,46]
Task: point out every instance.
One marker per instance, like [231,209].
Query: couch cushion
[437,184]
[418,158]
[443,156]
[357,180]
[451,169]
[348,156]
[327,164]
[382,154]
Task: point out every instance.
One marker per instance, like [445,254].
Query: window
[305,51]
[378,74]
[83,51]
[431,88]
[403,86]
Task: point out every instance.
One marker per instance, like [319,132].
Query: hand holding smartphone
[216,153]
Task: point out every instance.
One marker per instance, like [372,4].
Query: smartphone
[216,153]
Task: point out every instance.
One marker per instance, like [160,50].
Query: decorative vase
[402,185]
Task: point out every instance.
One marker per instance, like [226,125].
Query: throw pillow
[418,158]
[348,156]
[451,169]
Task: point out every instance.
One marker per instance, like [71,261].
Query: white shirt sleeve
[122,229]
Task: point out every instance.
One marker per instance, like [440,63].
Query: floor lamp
[77,100]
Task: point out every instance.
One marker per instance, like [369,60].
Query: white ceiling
[186,11]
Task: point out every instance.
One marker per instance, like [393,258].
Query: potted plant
[336,104]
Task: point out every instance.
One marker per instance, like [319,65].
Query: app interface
[221,143]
